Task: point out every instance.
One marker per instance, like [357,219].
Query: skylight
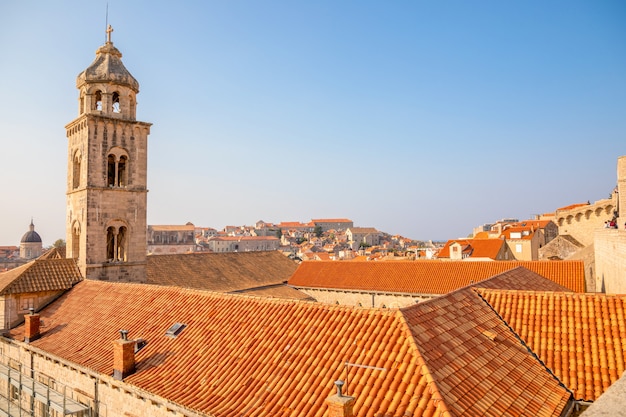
[175,329]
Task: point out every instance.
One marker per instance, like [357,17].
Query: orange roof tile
[580,337]
[426,276]
[172,227]
[477,363]
[572,206]
[525,233]
[481,248]
[222,272]
[244,355]
[331,220]
[40,275]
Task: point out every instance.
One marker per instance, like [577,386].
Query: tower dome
[108,67]
[31,246]
[31,236]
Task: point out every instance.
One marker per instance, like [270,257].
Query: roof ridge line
[522,341]
[424,365]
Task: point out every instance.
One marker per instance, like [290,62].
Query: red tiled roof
[427,276]
[39,276]
[482,248]
[168,227]
[243,238]
[246,355]
[536,224]
[477,363]
[572,206]
[222,272]
[580,337]
[507,233]
[243,355]
[331,220]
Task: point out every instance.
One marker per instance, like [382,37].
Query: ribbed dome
[31,236]
[107,67]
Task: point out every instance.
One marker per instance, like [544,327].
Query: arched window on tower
[111,244]
[111,171]
[116,102]
[117,168]
[121,244]
[98,100]
[116,243]
[75,240]
[76,170]
[121,171]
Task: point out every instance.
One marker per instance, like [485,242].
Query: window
[76,170]
[518,248]
[117,168]
[75,240]
[98,100]
[111,171]
[15,393]
[116,102]
[27,303]
[116,244]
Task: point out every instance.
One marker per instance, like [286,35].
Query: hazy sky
[422,118]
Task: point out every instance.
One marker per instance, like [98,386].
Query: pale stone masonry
[106,173]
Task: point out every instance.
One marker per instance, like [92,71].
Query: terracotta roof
[162,227]
[245,355]
[572,206]
[426,276]
[580,337]
[241,238]
[536,224]
[477,363]
[481,248]
[331,220]
[222,272]
[276,291]
[528,236]
[54,253]
[39,276]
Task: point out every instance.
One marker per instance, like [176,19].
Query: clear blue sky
[418,118]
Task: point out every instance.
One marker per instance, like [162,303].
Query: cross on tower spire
[109,30]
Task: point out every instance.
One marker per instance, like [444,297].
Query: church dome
[107,67]
[31,236]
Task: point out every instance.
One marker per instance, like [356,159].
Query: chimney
[31,326]
[340,405]
[123,356]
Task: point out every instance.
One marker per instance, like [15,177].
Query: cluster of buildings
[319,239]
[101,328]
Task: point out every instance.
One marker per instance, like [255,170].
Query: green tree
[59,243]
[318,231]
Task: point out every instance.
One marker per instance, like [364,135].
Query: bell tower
[107,173]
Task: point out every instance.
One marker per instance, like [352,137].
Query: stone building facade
[581,220]
[610,244]
[169,239]
[106,173]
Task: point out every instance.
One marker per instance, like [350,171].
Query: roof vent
[175,330]
[140,344]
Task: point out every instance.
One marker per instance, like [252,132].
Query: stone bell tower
[106,173]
